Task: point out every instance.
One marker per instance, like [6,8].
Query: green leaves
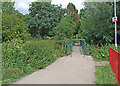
[96,22]
[43,17]
[13,27]
[20,59]
[8,8]
[65,29]
[101,53]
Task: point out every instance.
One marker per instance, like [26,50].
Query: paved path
[65,70]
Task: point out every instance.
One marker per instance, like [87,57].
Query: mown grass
[105,76]
[20,59]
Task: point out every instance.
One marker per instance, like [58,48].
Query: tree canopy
[65,29]
[43,17]
[96,22]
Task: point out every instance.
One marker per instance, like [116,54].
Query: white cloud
[22,5]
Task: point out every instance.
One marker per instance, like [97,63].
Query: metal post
[115,24]
[84,47]
[68,48]
[71,46]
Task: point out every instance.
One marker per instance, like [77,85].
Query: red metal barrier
[115,62]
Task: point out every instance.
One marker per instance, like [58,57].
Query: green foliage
[8,8]
[71,8]
[65,29]
[20,59]
[13,27]
[96,22]
[43,17]
[40,53]
[118,23]
[64,32]
[13,60]
[105,76]
[100,53]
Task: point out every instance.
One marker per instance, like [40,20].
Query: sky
[23,5]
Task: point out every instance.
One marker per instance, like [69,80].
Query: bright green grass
[105,76]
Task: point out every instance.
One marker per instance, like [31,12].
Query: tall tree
[71,9]
[8,8]
[43,17]
[96,22]
[118,23]
[65,29]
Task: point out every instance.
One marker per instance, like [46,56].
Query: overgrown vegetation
[99,53]
[21,58]
[13,27]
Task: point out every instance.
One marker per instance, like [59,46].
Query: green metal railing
[69,45]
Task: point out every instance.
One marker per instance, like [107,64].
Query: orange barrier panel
[115,62]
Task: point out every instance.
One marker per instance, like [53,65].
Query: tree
[71,9]
[8,8]
[118,23]
[13,27]
[43,17]
[65,29]
[96,22]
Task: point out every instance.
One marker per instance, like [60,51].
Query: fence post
[84,47]
[67,47]
[71,45]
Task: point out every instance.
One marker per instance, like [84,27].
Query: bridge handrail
[71,43]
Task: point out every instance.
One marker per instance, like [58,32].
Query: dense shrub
[20,59]
[13,27]
[100,53]
[40,53]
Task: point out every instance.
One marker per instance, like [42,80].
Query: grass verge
[105,76]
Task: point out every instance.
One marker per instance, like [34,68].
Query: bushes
[13,27]
[40,53]
[100,53]
[20,59]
